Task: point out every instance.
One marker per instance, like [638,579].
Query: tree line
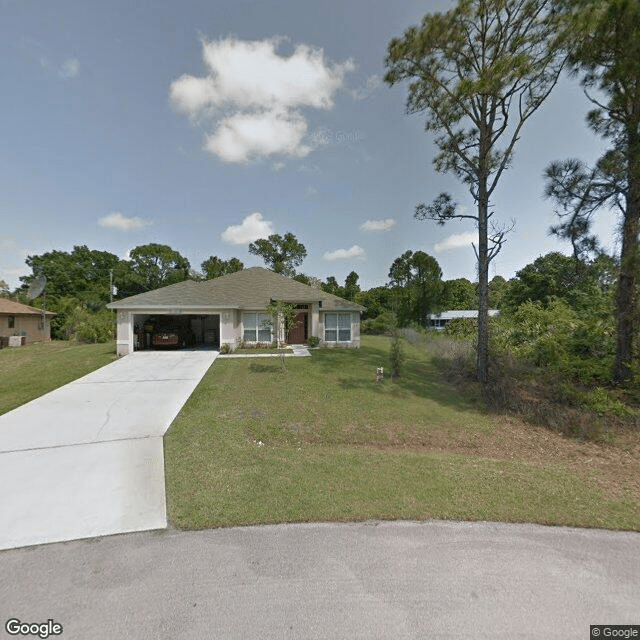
[80,282]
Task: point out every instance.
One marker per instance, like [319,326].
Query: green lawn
[31,371]
[324,441]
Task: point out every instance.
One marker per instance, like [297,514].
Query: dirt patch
[615,467]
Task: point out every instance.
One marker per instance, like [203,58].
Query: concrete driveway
[87,459]
[399,580]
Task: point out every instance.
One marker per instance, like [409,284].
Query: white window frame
[260,318]
[336,327]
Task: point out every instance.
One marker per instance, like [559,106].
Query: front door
[300,332]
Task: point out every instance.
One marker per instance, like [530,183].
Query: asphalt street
[382,580]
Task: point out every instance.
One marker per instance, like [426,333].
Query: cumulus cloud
[254,226]
[70,68]
[345,254]
[252,96]
[456,241]
[378,225]
[243,137]
[116,220]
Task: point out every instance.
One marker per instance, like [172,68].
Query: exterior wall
[314,321]
[354,343]
[124,335]
[27,326]
[229,327]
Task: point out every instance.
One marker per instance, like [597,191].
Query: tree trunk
[482,361]
[629,264]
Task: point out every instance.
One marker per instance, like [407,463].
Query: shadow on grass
[265,368]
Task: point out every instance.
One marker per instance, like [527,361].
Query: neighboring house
[438,321]
[20,320]
[231,309]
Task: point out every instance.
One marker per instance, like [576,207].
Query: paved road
[87,459]
[386,580]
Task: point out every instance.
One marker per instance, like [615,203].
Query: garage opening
[189,331]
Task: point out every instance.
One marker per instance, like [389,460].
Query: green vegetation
[29,372]
[325,441]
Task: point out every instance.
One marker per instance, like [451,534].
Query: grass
[31,371]
[324,442]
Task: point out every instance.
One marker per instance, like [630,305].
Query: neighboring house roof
[13,308]
[252,288]
[461,313]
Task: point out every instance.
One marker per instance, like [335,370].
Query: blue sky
[204,125]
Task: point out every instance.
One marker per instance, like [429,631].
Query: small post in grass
[379,374]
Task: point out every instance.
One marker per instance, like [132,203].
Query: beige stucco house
[18,319]
[231,309]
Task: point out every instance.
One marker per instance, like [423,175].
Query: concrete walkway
[297,351]
[87,459]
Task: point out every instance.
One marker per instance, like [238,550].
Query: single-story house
[18,319]
[438,321]
[232,309]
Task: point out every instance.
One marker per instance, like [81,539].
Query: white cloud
[244,137]
[372,83]
[378,225]
[254,226]
[116,220]
[261,94]
[70,68]
[456,241]
[278,166]
[311,191]
[345,254]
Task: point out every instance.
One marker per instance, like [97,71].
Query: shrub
[558,339]
[225,348]
[313,341]
[383,324]
[84,326]
[463,328]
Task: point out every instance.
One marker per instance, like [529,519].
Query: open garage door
[166,331]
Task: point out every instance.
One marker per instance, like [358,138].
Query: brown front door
[299,333]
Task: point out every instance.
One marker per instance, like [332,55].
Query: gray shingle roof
[251,288]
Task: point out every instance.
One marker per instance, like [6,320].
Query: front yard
[324,441]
